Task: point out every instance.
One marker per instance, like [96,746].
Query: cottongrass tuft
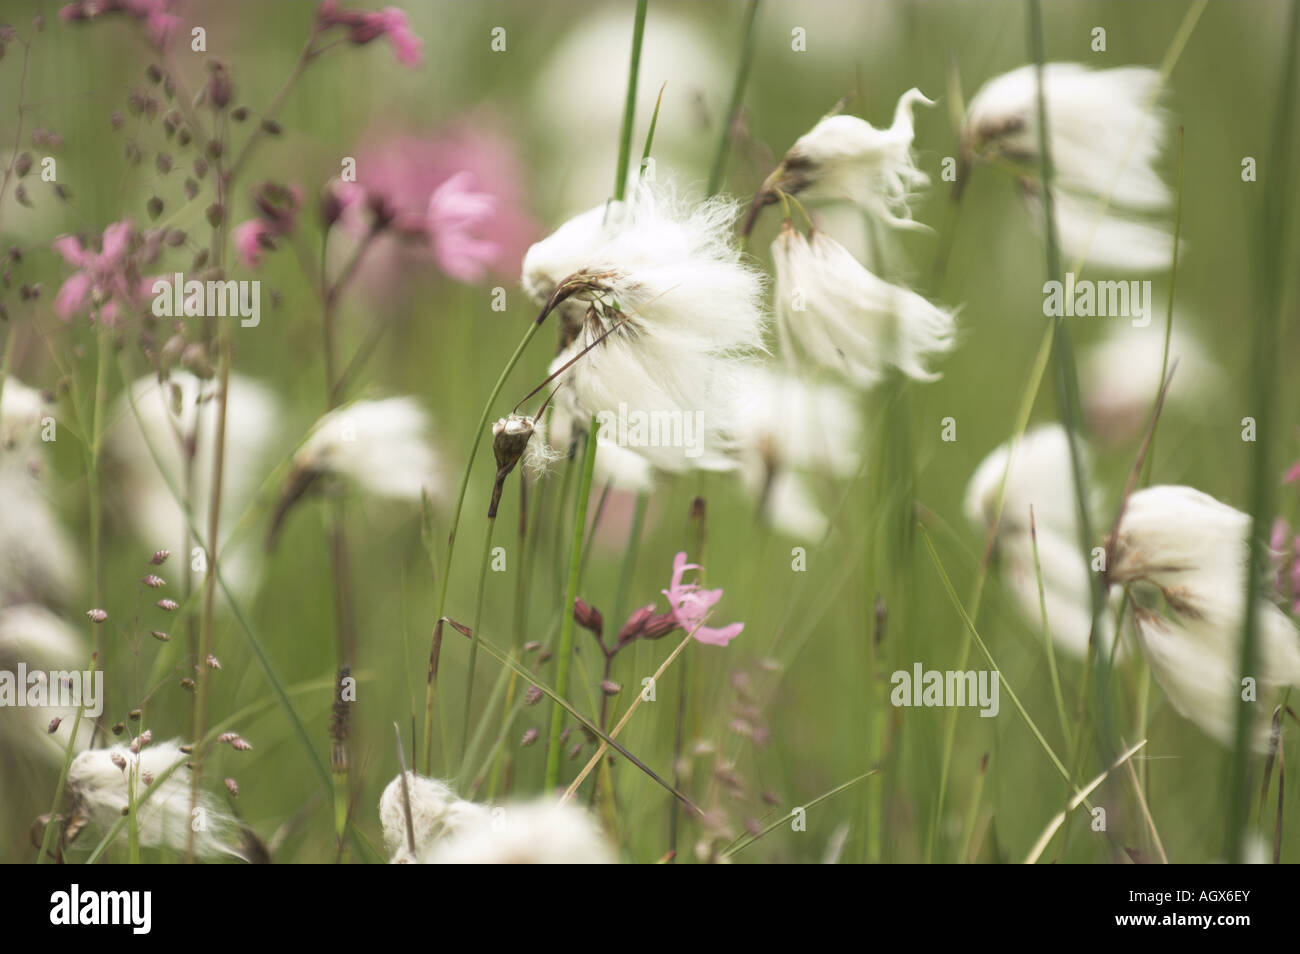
[1105,136]
[656,309]
[98,785]
[1039,467]
[1193,550]
[834,312]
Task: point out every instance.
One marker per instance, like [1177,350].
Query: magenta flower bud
[636,623]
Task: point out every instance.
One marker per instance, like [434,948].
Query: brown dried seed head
[159,635]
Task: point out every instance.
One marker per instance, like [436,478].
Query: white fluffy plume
[1193,549]
[795,435]
[656,289]
[98,782]
[1105,136]
[840,316]
[382,447]
[844,157]
[176,414]
[1038,474]
[451,830]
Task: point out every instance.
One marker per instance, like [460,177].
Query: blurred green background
[556,92]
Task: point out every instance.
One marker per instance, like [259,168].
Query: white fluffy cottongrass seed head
[1194,549]
[380,446]
[22,409]
[150,437]
[657,313]
[1121,377]
[840,316]
[1038,474]
[540,832]
[845,157]
[794,434]
[99,782]
[436,813]
[447,829]
[1105,134]
[620,467]
[37,559]
[32,634]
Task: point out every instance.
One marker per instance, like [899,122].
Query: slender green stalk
[473,642]
[1047,631]
[1270,276]
[564,652]
[970,626]
[629,102]
[748,36]
[133,815]
[431,689]
[790,814]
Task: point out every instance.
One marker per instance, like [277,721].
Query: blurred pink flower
[277,214]
[249,237]
[1285,559]
[103,278]
[458,196]
[365,26]
[407,47]
[156,15]
[690,605]
[454,211]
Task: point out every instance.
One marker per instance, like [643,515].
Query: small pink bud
[97,615]
[529,738]
[168,605]
[212,662]
[154,582]
[54,725]
[232,787]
